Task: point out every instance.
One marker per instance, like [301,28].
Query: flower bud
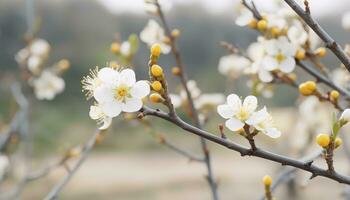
[323,140]
[275,31]
[175,33]
[156,70]
[157,86]
[262,24]
[321,52]
[115,47]
[156,98]
[300,55]
[156,50]
[63,64]
[307,88]
[338,142]
[334,95]
[253,24]
[176,71]
[267,180]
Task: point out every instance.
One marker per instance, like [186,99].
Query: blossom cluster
[46,82]
[114,91]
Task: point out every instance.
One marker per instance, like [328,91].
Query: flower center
[242,114]
[280,57]
[121,92]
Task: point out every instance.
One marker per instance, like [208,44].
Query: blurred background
[130,163]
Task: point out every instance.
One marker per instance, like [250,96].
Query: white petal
[140,89]
[107,121]
[258,117]
[176,100]
[132,105]
[244,18]
[234,101]
[265,76]
[225,111]
[95,112]
[269,63]
[250,103]
[272,132]
[112,109]
[127,77]
[234,124]
[287,65]
[103,94]
[346,20]
[108,75]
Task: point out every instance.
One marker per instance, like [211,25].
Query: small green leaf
[134,43]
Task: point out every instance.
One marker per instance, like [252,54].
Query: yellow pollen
[280,57]
[121,92]
[242,114]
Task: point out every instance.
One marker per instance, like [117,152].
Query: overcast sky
[318,7]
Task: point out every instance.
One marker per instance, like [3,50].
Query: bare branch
[244,151]
[327,39]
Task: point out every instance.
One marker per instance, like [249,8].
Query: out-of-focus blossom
[154,33]
[346,20]
[245,17]
[125,48]
[233,65]
[4,165]
[39,47]
[34,64]
[297,34]
[47,85]
[280,55]
[341,77]
[200,100]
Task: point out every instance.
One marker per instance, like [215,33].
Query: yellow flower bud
[157,86]
[338,142]
[113,65]
[321,52]
[63,64]
[175,33]
[176,71]
[323,140]
[275,31]
[307,88]
[115,47]
[334,95]
[267,180]
[155,98]
[253,24]
[166,40]
[156,70]
[262,24]
[300,55]
[156,50]
[292,76]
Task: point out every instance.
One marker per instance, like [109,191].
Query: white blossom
[22,56]
[119,91]
[125,48]
[4,165]
[280,55]
[297,34]
[39,47]
[34,64]
[263,122]
[47,85]
[345,115]
[96,113]
[237,113]
[154,33]
[341,78]
[245,17]
[346,20]
[233,65]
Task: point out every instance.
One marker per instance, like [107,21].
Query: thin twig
[85,152]
[327,39]
[244,151]
[194,113]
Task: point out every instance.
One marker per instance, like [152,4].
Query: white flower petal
[108,75]
[250,103]
[103,94]
[127,77]
[258,117]
[272,132]
[176,100]
[287,65]
[132,105]
[225,111]
[234,124]
[140,89]
[265,76]
[95,112]
[269,63]
[234,101]
[107,121]
[111,109]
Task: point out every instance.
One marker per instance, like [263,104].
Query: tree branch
[327,39]
[244,151]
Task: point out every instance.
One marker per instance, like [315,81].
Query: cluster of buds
[125,50]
